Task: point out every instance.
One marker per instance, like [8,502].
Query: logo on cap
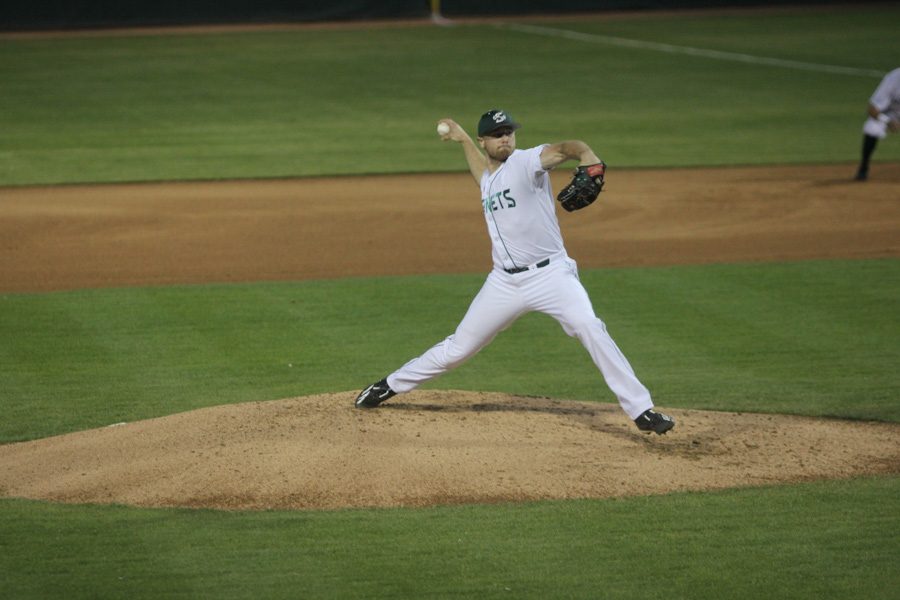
[494,119]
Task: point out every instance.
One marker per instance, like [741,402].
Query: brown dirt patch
[429,447]
[65,237]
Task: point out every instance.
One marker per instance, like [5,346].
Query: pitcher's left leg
[564,298]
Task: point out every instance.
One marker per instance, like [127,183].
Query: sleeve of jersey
[533,165]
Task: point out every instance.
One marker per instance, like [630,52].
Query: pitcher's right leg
[494,308]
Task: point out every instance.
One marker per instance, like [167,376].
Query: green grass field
[764,338]
[311,102]
[813,338]
[820,541]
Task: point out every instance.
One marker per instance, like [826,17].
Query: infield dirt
[429,447]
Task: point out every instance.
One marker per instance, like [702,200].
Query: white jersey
[520,212]
[887,96]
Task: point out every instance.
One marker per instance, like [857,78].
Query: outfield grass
[834,540]
[308,102]
[754,337]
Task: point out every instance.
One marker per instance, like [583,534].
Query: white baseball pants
[875,128]
[554,290]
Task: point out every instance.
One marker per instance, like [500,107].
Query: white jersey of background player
[531,270]
[883,117]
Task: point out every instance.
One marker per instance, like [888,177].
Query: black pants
[868,147]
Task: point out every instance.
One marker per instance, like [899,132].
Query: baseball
[443,129]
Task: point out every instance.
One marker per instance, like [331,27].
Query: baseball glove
[584,188]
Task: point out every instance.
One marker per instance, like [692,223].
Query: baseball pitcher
[531,269]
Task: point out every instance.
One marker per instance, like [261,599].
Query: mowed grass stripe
[812,338]
[829,540]
[300,103]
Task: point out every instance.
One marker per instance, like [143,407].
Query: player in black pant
[884,117]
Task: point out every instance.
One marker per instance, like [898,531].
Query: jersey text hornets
[498,201]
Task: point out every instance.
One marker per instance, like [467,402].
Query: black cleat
[651,420]
[374,395]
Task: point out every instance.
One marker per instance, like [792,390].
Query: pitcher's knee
[456,353]
[582,327]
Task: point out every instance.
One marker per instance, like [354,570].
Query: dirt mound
[431,447]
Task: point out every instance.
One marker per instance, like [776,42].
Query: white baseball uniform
[531,272]
[887,100]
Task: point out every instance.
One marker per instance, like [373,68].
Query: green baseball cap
[495,119]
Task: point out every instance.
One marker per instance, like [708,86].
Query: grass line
[611,40]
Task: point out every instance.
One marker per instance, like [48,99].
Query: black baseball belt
[539,265]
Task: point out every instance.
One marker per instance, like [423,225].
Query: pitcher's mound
[431,447]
